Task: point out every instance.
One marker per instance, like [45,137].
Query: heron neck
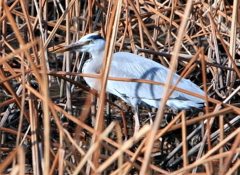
[94,65]
[98,57]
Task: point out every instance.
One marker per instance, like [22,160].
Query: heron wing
[127,65]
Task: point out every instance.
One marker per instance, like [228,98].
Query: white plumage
[127,65]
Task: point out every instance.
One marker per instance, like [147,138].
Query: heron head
[92,43]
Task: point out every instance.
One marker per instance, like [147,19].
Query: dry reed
[46,107]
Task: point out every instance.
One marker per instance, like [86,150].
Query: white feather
[127,65]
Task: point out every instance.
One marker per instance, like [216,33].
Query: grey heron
[128,65]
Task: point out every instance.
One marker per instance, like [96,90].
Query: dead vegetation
[46,107]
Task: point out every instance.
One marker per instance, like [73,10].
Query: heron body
[127,65]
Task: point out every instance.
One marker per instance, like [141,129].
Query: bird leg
[137,122]
[150,118]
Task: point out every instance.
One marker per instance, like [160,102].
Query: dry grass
[45,107]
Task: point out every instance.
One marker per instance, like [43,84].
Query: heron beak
[74,46]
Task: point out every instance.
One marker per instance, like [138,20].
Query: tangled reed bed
[45,107]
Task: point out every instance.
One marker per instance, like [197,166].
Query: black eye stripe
[97,36]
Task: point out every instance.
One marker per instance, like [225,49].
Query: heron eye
[90,42]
